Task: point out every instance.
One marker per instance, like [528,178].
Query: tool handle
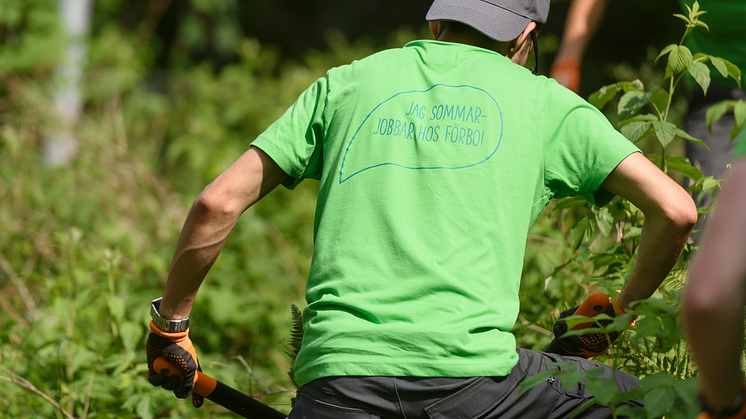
[204,385]
[222,394]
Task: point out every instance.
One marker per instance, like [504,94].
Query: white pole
[62,146]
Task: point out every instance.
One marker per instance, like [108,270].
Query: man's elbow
[681,213]
[213,202]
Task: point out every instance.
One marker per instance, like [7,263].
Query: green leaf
[628,86]
[679,59]
[659,100]
[646,327]
[131,333]
[719,65]
[666,50]
[143,407]
[660,379]
[601,97]
[733,71]
[705,184]
[572,378]
[637,118]
[604,220]
[682,17]
[581,232]
[701,74]
[717,111]
[681,133]
[116,307]
[659,400]
[582,408]
[682,165]
[631,102]
[665,131]
[603,389]
[570,202]
[637,128]
[702,24]
[630,412]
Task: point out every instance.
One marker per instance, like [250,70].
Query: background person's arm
[670,215]
[716,293]
[210,221]
[583,18]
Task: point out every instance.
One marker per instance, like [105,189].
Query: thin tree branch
[88,394]
[19,284]
[22,382]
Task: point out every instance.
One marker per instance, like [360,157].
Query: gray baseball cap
[503,20]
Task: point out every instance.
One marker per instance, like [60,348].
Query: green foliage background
[84,248]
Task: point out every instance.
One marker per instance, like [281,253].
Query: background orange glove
[567,73]
[178,350]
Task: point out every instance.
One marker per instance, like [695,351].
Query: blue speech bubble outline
[420,168]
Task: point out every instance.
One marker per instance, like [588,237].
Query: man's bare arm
[209,223]
[670,215]
[716,293]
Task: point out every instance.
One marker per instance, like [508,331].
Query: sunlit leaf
[684,135]
[679,59]
[581,232]
[716,111]
[637,130]
[659,400]
[682,165]
[603,389]
[701,73]
[665,131]
[666,50]
[659,100]
[631,102]
[601,97]
[733,71]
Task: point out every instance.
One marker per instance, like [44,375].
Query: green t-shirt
[725,39]
[434,160]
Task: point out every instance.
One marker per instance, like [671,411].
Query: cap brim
[492,20]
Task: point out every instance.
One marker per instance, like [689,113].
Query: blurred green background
[172,92]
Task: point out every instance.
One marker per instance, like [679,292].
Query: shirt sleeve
[581,148]
[295,140]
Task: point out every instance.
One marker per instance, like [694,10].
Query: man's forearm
[201,241]
[209,223]
[661,243]
[583,19]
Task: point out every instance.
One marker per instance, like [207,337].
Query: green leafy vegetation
[87,246]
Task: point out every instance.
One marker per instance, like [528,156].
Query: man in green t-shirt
[434,161]
[713,305]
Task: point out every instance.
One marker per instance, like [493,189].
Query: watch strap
[167,325]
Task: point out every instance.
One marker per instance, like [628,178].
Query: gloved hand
[567,73]
[178,350]
[588,345]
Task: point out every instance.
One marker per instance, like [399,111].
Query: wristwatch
[166,325]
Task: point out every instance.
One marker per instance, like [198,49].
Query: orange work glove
[178,350]
[567,73]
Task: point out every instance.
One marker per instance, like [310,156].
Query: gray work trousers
[456,398]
